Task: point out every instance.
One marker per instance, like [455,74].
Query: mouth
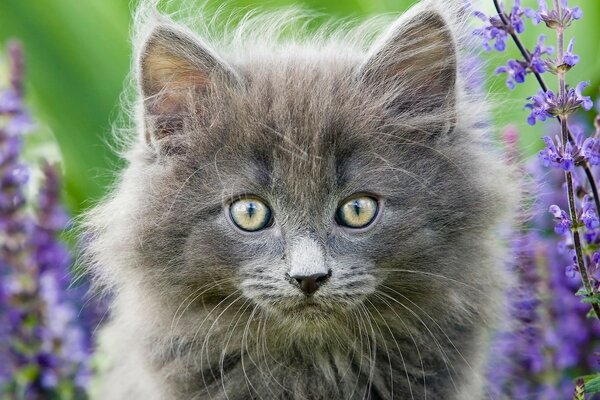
[308,303]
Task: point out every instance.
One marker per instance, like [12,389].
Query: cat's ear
[175,69]
[415,63]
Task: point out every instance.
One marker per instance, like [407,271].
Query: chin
[310,319]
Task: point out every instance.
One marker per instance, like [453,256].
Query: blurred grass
[78,55]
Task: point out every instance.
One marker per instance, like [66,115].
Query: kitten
[308,219]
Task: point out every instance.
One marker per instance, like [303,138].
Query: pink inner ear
[172,79]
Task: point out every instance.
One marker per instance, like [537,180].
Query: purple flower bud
[546,104]
[591,149]
[561,219]
[585,101]
[515,70]
[10,102]
[495,30]
[589,216]
[595,267]
[554,19]
[537,63]
[571,271]
[569,58]
[539,106]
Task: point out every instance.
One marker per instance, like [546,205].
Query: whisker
[432,274]
[435,339]
[411,336]
[249,384]
[388,352]
[442,330]
[229,334]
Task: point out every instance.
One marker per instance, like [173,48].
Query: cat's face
[305,186]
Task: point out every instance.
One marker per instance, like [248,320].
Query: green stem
[527,56]
[569,176]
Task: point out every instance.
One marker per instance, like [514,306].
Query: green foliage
[79,55]
[592,383]
[579,390]
[593,298]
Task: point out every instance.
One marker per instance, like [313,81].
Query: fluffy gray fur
[204,311]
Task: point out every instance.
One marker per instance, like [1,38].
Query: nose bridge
[306,257]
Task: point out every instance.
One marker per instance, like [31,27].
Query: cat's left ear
[415,64]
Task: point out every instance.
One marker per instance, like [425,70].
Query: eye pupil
[357,207]
[251,210]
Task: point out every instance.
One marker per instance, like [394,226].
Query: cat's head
[307,181]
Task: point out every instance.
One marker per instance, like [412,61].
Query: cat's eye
[357,212]
[250,214]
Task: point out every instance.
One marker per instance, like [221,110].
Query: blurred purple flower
[589,216]
[551,336]
[591,149]
[562,222]
[565,157]
[43,348]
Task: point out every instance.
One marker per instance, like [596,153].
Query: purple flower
[595,266]
[515,70]
[562,223]
[571,270]
[495,30]
[553,18]
[472,69]
[591,149]
[565,157]
[10,102]
[44,351]
[589,216]
[552,338]
[537,64]
[516,17]
[547,104]
[540,106]
[551,155]
[570,58]
[576,96]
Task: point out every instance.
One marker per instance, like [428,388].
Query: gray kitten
[303,219]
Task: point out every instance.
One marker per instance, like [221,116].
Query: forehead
[305,128]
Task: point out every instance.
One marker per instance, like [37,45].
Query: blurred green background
[78,55]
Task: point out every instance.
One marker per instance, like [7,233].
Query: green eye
[250,214]
[357,212]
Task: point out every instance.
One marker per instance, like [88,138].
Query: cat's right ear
[175,70]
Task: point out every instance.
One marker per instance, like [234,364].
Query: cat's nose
[309,283]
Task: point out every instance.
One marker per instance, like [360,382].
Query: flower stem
[576,237]
[525,53]
[568,174]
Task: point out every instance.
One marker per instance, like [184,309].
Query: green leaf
[588,299]
[592,383]
[26,375]
[579,390]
